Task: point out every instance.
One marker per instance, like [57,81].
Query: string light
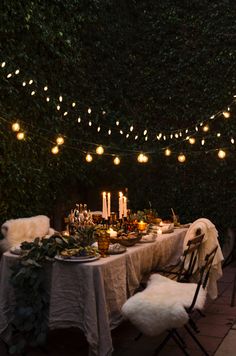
[221,154]
[167,152]
[79,119]
[55,150]
[9,75]
[181,158]
[127,135]
[218,134]
[15,127]
[203,142]
[176,135]
[136,137]
[196,128]
[98,129]
[232,140]
[89,157]
[17,71]
[186,131]
[117,123]
[24,84]
[121,132]
[31,81]
[47,99]
[164,138]
[146,138]
[60,140]
[73,105]
[33,92]
[58,107]
[131,128]
[89,110]
[226,114]
[116,161]
[60,98]
[90,123]
[3,64]
[99,150]
[109,132]
[144,132]
[205,128]
[65,113]
[20,136]
[192,140]
[45,88]
[212,117]
[171,136]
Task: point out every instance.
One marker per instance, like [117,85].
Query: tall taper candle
[108,204]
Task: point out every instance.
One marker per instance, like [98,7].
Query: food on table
[87,251]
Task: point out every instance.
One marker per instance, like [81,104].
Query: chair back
[204,273]
[190,256]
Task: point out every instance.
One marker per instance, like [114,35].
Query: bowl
[126,241]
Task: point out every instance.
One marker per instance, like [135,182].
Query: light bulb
[218,134]
[171,136]
[65,113]
[89,110]
[99,150]
[192,140]
[232,140]
[103,112]
[60,98]
[109,132]
[201,123]
[9,75]
[221,154]
[98,129]
[60,140]
[186,131]
[58,107]
[176,135]
[131,128]
[203,142]
[142,158]
[136,137]
[144,132]
[196,128]
[73,105]
[3,64]
[90,123]
[24,84]
[79,119]
[45,88]
[226,114]
[31,81]
[33,93]
[167,152]
[117,123]
[89,157]
[17,71]
[55,150]
[20,135]
[121,132]
[164,137]
[205,128]
[146,138]
[212,117]
[48,99]
[116,161]
[15,127]
[181,158]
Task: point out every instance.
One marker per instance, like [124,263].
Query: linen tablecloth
[90,295]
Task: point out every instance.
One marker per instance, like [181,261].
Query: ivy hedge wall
[160,65]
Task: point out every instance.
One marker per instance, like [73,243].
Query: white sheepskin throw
[161,306]
[16,231]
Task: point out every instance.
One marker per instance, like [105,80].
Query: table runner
[90,295]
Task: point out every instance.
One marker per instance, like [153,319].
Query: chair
[166,305]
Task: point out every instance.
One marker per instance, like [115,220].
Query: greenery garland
[29,326]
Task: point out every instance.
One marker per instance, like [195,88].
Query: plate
[116,249]
[168,231]
[147,241]
[16,250]
[77,259]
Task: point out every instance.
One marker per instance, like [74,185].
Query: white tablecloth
[90,295]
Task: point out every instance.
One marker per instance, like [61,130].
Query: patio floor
[217,332]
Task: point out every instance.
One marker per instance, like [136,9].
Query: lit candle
[109,204]
[104,205]
[142,226]
[112,232]
[125,207]
[120,205]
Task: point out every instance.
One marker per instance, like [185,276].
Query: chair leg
[196,340]
[178,340]
[164,342]
[233,293]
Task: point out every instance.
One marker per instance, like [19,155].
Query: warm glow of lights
[15,127]
[218,134]
[79,119]
[232,140]
[33,93]
[116,161]
[192,140]
[221,154]
[48,99]
[45,88]
[60,98]
[136,137]
[205,128]
[98,129]
[17,71]
[109,132]
[58,107]
[131,128]
[176,135]
[73,105]
[146,138]
[181,158]
[142,158]
[3,64]
[144,132]
[121,132]
[60,140]
[99,150]
[20,136]
[117,123]
[9,75]
[65,113]
[89,157]
[203,142]
[24,84]
[55,150]
[226,114]
[167,152]
[31,81]
[89,110]
[90,123]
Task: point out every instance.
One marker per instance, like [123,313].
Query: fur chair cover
[161,306]
[16,231]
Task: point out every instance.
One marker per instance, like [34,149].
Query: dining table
[90,295]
